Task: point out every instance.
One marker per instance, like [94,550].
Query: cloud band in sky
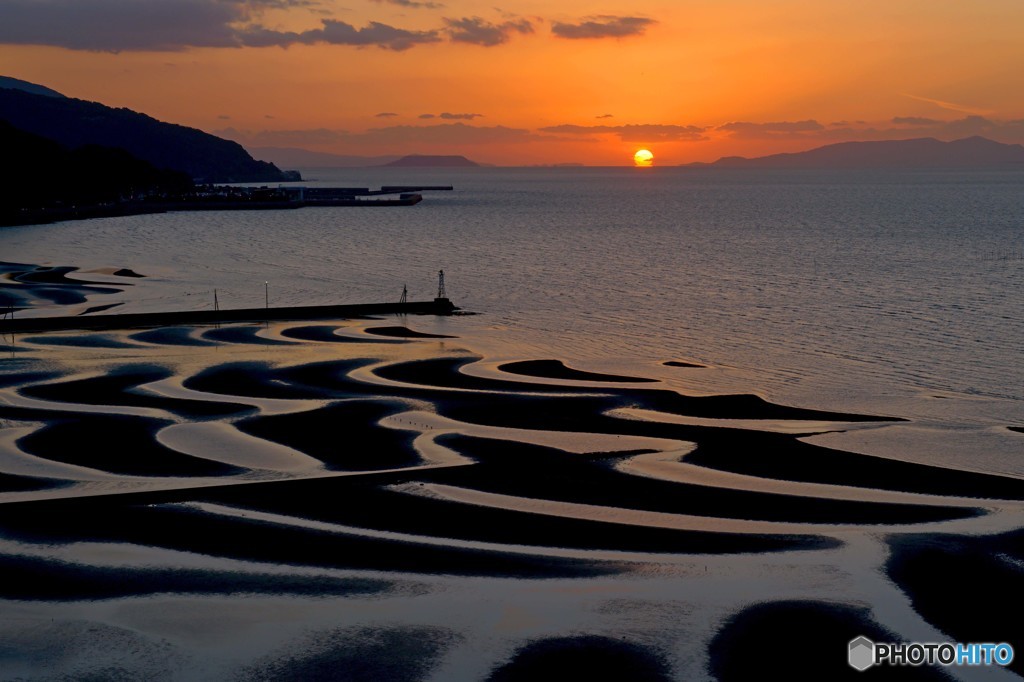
[335,32]
[603,26]
[115,25]
[172,25]
[433,134]
[476,31]
[638,132]
[770,130]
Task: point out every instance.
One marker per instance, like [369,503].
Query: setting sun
[643,158]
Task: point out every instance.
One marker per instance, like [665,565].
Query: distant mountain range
[927,152]
[294,157]
[73,123]
[427,161]
[303,158]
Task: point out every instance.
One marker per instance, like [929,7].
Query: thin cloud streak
[639,132]
[898,128]
[412,4]
[447,133]
[603,26]
[336,32]
[454,134]
[287,138]
[914,121]
[771,130]
[951,106]
[477,31]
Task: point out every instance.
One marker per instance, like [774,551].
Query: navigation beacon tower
[442,296]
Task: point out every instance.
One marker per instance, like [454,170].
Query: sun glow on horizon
[643,158]
[534,84]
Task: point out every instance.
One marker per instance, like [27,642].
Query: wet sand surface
[555,369]
[366,500]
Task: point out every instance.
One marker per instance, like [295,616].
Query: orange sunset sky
[529,82]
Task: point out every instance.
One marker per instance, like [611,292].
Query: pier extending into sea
[14,325]
[229,198]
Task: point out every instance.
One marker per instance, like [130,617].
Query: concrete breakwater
[9,325]
[228,198]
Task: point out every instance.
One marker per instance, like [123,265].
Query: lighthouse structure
[442,296]
[441,300]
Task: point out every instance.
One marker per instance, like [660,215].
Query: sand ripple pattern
[356,460]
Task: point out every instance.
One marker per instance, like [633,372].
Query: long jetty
[223,198]
[439,306]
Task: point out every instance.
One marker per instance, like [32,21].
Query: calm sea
[895,293]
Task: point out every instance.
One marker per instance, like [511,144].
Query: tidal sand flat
[818,626]
[925,565]
[25,286]
[358,500]
[555,369]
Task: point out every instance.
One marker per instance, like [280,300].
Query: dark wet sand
[261,380]
[586,657]
[404,333]
[355,655]
[120,444]
[35,578]
[325,334]
[242,335]
[679,363]
[114,519]
[758,453]
[967,587]
[555,369]
[344,436]
[83,341]
[537,472]
[740,406]
[37,282]
[802,640]
[100,308]
[343,431]
[14,376]
[41,274]
[444,372]
[13,483]
[789,459]
[772,455]
[120,387]
[372,506]
[171,336]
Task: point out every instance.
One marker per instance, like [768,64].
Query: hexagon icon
[862,653]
